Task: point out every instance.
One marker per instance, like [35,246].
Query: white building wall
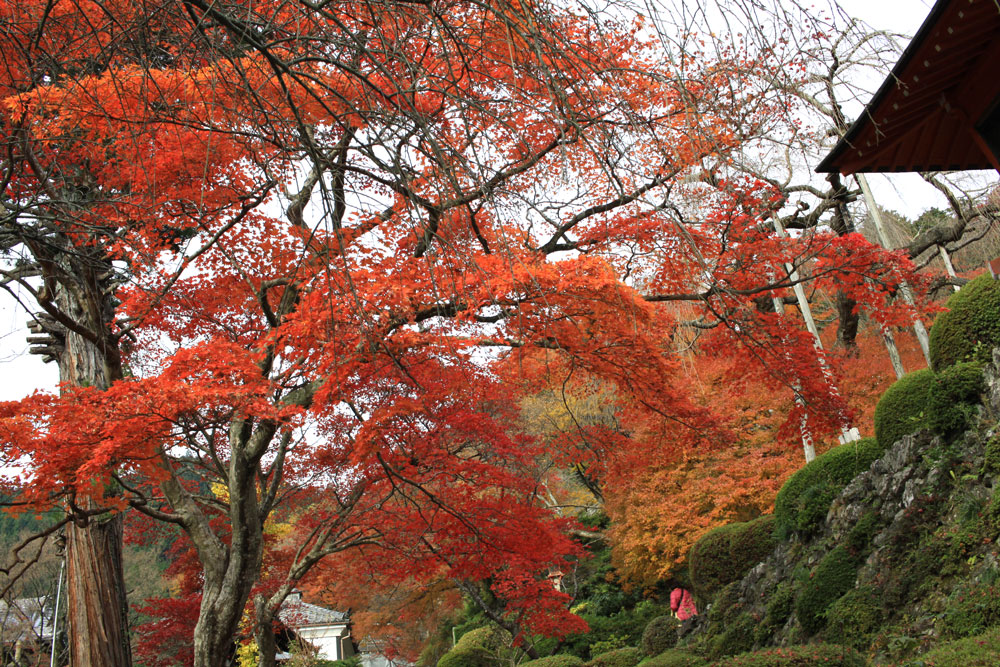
[325,639]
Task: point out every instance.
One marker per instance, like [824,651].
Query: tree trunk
[267,649]
[96,604]
[847,321]
[95,594]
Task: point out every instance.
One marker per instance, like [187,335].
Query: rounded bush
[709,563]
[855,618]
[622,657]
[971,328]
[554,661]
[804,501]
[466,657]
[955,392]
[675,658]
[834,576]
[660,634]
[490,638]
[804,656]
[725,554]
[904,407]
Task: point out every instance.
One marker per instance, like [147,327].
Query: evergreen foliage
[554,661]
[854,619]
[466,657]
[660,634]
[675,658]
[803,502]
[622,657]
[833,577]
[971,327]
[980,651]
[725,554]
[955,393]
[903,408]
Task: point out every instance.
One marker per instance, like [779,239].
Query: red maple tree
[318,229]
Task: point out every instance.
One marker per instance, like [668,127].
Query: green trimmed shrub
[489,637]
[709,563]
[725,554]
[971,328]
[751,543]
[675,658]
[554,661]
[467,657]
[979,651]
[622,657]
[833,577]
[955,393]
[855,618]
[794,656]
[904,407]
[660,634]
[804,501]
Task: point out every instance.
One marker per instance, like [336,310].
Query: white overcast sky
[21,373]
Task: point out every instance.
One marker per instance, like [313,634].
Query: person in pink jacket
[682,604]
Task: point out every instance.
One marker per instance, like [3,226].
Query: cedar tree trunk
[96,604]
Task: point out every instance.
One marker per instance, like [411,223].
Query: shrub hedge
[955,392]
[467,657]
[554,661]
[675,658]
[725,554]
[971,328]
[804,656]
[660,634]
[804,501]
[622,657]
[489,637]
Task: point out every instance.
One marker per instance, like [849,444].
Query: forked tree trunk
[96,604]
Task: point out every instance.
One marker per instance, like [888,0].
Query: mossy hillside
[804,501]
[832,578]
[971,327]
[979,651]
[725,554]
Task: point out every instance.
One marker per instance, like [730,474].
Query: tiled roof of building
[296,614]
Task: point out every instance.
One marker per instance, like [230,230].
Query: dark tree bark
[96,603]
[848,319]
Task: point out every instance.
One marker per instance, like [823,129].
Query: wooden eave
[923,117]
